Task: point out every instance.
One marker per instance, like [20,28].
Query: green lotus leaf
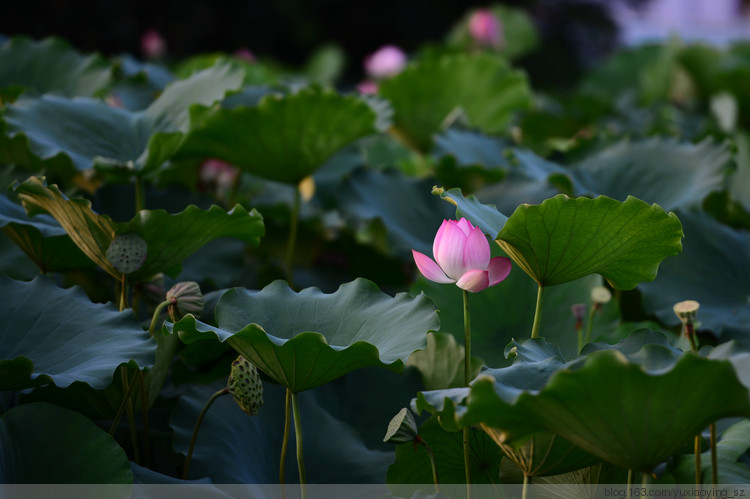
[36,442]
[170,237]
[283,138]
[51,66]
[326,336]
[486,217]
[235,448]
[482,88]
[669,173]
[543,454]
[617,407]
[54,335]
[564,239]
[41,238]
[412,465]
[441,363]
[113,138]
[732,444]
[713,269]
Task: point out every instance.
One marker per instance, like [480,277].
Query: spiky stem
[193,439]
[287,428]
[298,436]
[537,313]
[467,379]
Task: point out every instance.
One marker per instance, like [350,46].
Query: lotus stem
[630,482]
[287,428]
[189,457]
[123,303]
[714,457]
[432,462]
[140,202]
[589,324]
[121,409]
[525,486]
[155,318]
[292,241]
[698,471]
[467,379]
[537,313]
[298,436]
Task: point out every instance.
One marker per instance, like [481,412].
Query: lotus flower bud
[153,44]
[184,298]
[485,28]
[245,385]
[402,428]
[386,62]
[127,252]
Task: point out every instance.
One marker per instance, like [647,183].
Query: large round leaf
[58,335]
[617,405]
[564,239]
[110,136]
[233,447]
[713,269]
[483,88]
[282,138]
[306,339]
[671,174]
[169,238]
[43,443]
[51,66]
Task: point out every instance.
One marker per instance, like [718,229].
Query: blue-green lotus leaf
[283,138]
[51,66]
[712,269]
[306,339]
[54,335]
[36,442]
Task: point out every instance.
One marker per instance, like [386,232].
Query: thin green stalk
[287,428]
[189,456]
[698,471]
[714,457]
[525,486]
[123,302]
[298,436]
[467,379]
[292,237]
[155,318]
[131,415]
[537,313]
[121,409]
[432,462]
[630,482]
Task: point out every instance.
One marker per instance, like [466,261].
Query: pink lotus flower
[153,44]
[485,28]
[367,87]
[386,62]
[244,54]
[462,256]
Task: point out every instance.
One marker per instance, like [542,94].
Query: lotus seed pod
[601,295]
[686,311]
[185,298]
[245,385]
[127,252]
[402,428]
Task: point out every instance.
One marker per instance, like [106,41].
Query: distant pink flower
[114,100]
[244,54]
[368,87]
[462,256]
[153,44]
[217,174]
[386,62]
[485,28]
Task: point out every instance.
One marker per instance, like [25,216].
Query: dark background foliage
[576,33]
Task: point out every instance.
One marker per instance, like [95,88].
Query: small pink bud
[368,87]
[153,44]
[386,62]
[245,55]
[485,28]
